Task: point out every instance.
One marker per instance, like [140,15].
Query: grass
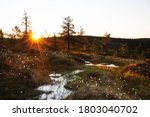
[95,83]
[17,87]
[110,83]
[62,62]
[21,72]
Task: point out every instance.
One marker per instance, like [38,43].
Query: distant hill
[135,47]
[123,47]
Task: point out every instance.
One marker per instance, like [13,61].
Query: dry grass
[24,71]
[131,74]
[40,76]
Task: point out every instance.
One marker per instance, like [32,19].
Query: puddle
[101,65]
[75,72]
[88,63]
[107,65]
[56,90]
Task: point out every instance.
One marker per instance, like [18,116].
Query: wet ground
[56,90]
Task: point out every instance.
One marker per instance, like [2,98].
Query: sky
[120,18]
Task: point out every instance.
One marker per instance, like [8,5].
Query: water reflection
[56,90]
[101,65]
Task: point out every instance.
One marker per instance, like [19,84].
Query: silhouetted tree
[55,43]
[17,34]
[68,29]
[1,33]
[27,24]
[106,42]
[81,31]
[47,33]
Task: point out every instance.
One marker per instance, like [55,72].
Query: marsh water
[87,63]
[56,90]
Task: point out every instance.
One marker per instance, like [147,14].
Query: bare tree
[47,33]
[55,41]
[81,31]
[17,34]
[1,33]
[68,29]
[106,42]
[27,24]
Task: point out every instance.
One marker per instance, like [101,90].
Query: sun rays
[36,37]
[36,42]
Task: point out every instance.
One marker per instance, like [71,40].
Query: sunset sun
[35,37]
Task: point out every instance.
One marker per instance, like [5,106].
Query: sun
[36,37]
[37,42]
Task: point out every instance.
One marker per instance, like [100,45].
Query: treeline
[127,48]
